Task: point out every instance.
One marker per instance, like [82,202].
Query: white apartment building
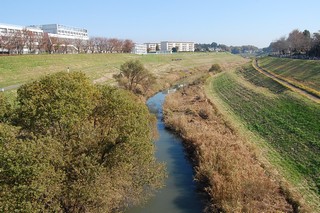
[62,31]
[9,30]
[139,49]
[167,46]
[6,29]
[152,47]
[52,30]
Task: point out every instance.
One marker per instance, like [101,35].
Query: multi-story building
[62,31]
[167,46]
[6,29]
[140,49]
[153,47]
[32,35]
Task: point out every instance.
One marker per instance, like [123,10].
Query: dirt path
[11,87]
[285,83]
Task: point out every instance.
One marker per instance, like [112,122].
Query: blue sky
[231,22]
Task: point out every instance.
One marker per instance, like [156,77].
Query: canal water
[179,193]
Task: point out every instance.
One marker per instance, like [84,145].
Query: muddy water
[179,193]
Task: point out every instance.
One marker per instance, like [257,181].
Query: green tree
[56,104]
[5,108]
[215,68]
[175,49]
[135,77]
[79,148]
[30,180]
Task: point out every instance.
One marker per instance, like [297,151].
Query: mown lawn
[306,72]
[24,68]
[288,123]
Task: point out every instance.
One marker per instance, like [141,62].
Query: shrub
[215,68]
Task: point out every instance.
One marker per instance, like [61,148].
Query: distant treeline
[298,43]
[215,47]
[26,41]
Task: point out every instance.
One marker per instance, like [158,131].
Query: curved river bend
[179,193]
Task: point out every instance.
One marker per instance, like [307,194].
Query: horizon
[249,22]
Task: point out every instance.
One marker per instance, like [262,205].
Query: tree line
[297,43]
[215,47]
[68,145]
[22,41]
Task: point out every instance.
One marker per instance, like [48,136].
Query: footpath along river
[179,193]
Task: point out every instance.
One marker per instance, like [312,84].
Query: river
[179,193]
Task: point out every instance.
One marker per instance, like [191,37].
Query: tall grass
[225,163]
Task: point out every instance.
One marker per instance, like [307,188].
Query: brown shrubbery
[224,162]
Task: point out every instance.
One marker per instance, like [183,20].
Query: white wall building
[62,31]
[9,30]
[139,49]
[152,47]
[167,46]
[53,31]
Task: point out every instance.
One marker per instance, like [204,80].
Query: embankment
[226,164]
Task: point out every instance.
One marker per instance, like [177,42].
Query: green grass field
[305,72]
[288,124]
[100,67]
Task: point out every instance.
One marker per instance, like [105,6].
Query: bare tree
[90,45]
[127,46]
[296,39]
[30,38]
[281,46]
[79,44]
[113,45]
[5,42]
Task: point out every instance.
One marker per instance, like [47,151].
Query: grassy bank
[288,125]
[100,67]
[304,72]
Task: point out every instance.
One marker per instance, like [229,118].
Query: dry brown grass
[224,162]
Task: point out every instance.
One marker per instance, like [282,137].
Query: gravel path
[285,83]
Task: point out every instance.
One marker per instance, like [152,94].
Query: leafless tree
[91,45]
[296,39]
[281,46]
[127,46]
[30,38]
[113,45]
[79,44]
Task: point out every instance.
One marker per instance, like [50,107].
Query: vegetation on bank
[304,72]
[288,123]
[225,163]
[71,146]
